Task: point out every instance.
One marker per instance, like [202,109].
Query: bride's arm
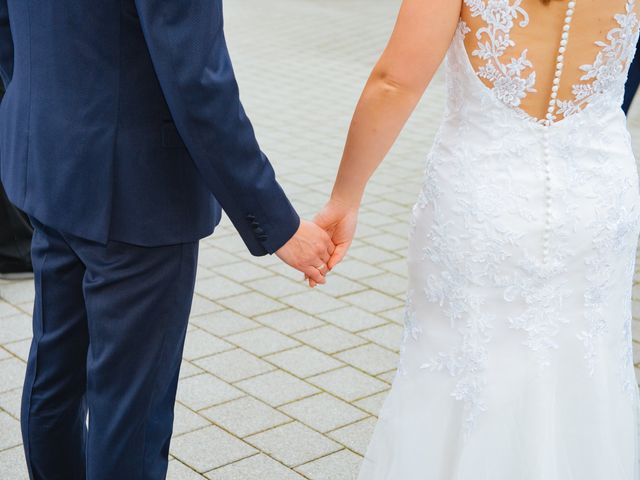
[423,32]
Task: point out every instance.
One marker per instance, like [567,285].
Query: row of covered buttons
[255,225]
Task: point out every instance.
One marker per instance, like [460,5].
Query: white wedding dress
[517,363]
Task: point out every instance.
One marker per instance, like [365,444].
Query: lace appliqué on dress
[510,84]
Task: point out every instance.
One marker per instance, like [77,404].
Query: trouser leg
[53,403]
[138,302]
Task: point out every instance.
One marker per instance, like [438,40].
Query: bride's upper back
[550,60]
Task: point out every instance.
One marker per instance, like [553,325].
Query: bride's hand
[339,220]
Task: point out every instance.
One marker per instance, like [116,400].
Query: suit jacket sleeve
[188,49]
[6,45]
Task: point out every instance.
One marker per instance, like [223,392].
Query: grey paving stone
[17,292]
[257,467]
[20,349]
[304,361]
[370,358]
[179,471]
[313,302]
[201,344]
[10,401]
[15,327]
[342,465]
[186,420]
[234,365]
[13,465]
[329,339]
[355,436]
[223,322]
[7,310]
[293,444]
[209,448]
[10,428]
[188,369]
[388,336]
[245,416]
[217,287]
[348,383]
[204,390]
[203,305]
[12,373]
[277,388]
[251,304]
[373,403]
[277,286]
[323,412]
[353,318]
[372,301]
[263,341]
[289,321]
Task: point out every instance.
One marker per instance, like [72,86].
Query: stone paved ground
[278,382]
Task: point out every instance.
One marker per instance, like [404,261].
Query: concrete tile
[202,344]
[20,349]
[17,292]
[209,448]
[323,412]
[13,465]
[370,358]
[293,444]
[257,467]
[329,339]
[251,304]
[342,465]
[348,383]
[12,373]
[10,427]
[263,341]
[277,388]
[373,403]
[223,323]
[186,420]
[388,283]
[355,436]
[277,286]
[313,302]
[289,321]
[201,306]
[188,369]
[15,327]
[7,310]
[204,390]
[353,318]
[355,269]
[217,287]
[388,336]
[245,416]
[10,401]
[179,471]
[304,361]
[373,301]
[234,365]
[243,272]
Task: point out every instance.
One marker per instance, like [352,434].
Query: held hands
[339,220]
[309,251]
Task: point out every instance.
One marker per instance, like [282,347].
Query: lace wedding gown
[517,363]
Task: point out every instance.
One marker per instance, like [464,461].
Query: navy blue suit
[632,83]
[121,135]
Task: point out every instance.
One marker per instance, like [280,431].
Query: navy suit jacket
[122,121]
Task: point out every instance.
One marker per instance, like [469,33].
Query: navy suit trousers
[108,332]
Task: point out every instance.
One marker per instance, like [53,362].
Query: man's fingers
[314,274]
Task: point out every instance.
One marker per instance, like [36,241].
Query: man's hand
[339,220]
[308,251]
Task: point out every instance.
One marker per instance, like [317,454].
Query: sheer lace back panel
[514,46]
